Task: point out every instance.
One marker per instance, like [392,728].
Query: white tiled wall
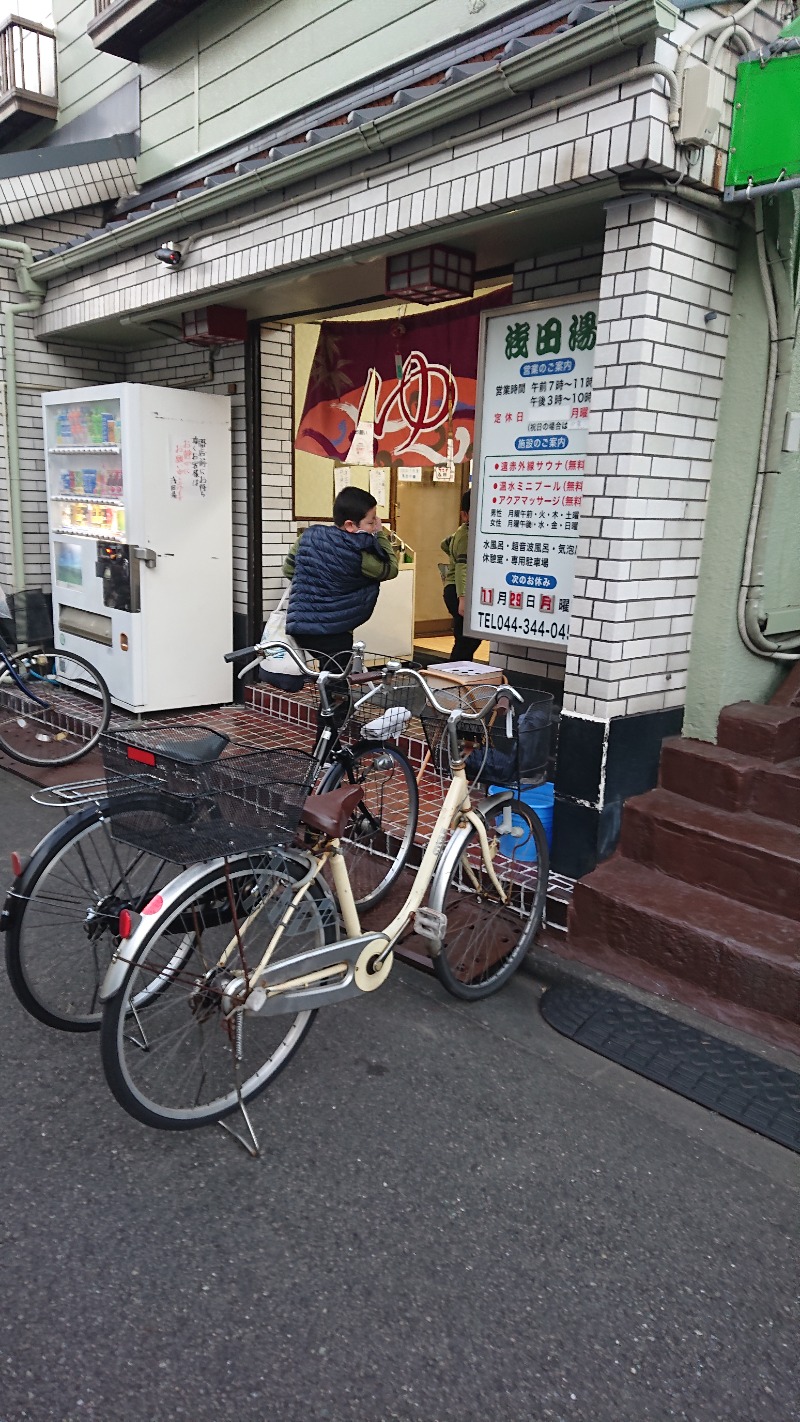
[277,436]
[40,367]
[30,196]
[665,299]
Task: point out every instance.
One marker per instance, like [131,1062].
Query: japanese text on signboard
[537,390]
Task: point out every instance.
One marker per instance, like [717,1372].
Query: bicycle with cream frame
[202,1010]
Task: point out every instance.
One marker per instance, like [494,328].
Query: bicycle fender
[494,802]
[452,853]
[19,892]
[163,903]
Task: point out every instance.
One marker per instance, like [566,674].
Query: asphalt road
[459,1215]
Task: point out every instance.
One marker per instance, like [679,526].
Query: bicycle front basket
[398,701]
[168,800]
[519,759]
[471,733]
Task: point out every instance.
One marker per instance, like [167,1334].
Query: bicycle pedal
[429,923]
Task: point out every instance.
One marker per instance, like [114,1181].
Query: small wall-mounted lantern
[431,274]
[215,326]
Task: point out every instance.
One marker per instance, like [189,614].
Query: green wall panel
[765,134]
[244,68]
[721,669]
[85,75]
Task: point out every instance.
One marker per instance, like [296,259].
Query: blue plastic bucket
[541,799]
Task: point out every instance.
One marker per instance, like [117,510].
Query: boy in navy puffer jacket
[336,572]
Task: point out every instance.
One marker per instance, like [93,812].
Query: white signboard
[536,372]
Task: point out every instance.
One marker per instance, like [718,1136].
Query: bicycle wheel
[54,707]
[176,1061]
[486,938]
[377,840]
[62,914]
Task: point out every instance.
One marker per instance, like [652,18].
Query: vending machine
[139,504]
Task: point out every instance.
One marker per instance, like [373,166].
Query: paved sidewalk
[460,1216]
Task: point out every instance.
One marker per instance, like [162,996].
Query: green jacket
[371,565]
[456,549]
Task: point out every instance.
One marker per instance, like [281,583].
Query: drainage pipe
[36,294]
[711,27]
[752,581]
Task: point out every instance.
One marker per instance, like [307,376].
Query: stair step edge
[614,876]
[666,804]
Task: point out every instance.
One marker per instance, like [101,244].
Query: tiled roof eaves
[621,27]
[491,40]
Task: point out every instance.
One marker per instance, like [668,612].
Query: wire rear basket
[31,620]
[184,793]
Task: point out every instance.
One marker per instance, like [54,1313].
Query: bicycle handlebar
[502,695]
[261,649]
[264,649]
[457,713]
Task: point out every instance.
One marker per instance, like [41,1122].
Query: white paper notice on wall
[409,473]
[362,449]
[379,486]
[341,479]
[444,473]
[188,467]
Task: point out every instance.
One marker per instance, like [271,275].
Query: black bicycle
[54,705]
[61,915]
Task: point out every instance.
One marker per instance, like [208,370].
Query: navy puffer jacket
[330,594]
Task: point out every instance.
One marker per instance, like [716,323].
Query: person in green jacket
[455,586]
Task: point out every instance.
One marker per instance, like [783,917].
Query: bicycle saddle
[198,752]
[331,811]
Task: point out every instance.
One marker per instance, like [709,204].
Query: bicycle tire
[485,941]
[186,1076]
[380,834]
[65,715]
[62,913]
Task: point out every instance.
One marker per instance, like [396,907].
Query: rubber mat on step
[716,1074]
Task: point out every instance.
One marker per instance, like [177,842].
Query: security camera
[171,254]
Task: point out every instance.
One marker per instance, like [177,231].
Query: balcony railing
[28,90]
[122,27]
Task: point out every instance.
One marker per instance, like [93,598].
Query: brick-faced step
[707,773]
[728,780]
[625,913]
[768,732]
[744,857]
[775,791]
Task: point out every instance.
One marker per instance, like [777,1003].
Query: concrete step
[766,732]
[742,856]
[731,781]
[737,963]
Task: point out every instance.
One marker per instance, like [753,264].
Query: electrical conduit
[11,310]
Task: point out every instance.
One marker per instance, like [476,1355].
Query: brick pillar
[665,297]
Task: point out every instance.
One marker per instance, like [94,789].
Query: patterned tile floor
[273,720]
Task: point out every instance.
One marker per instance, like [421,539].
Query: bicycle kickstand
[252,1146]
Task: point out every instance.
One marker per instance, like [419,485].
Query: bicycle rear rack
[72,796]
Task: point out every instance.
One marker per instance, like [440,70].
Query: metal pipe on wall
[36,294]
